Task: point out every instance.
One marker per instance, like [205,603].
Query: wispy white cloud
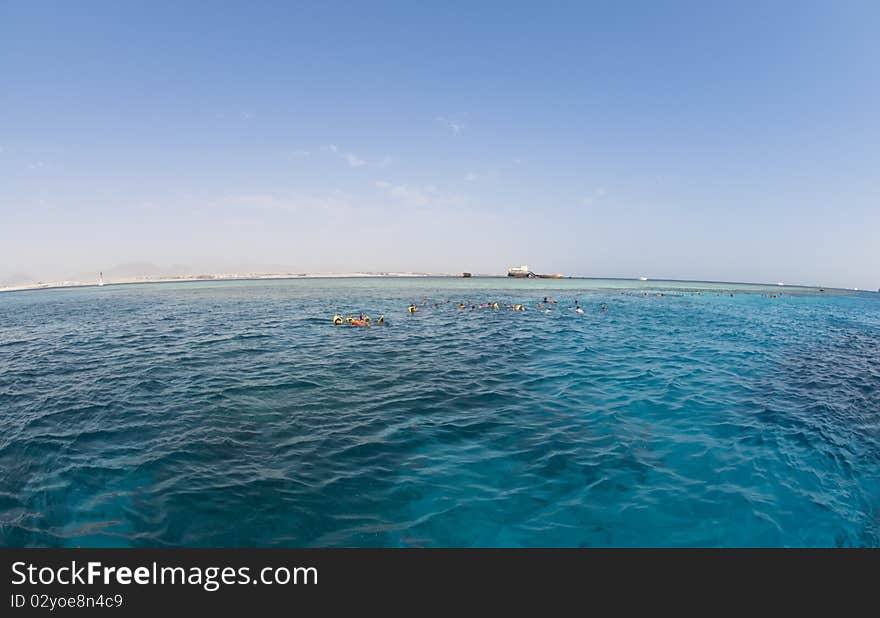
[286,201]
[421,195]
[297,154]
[598,194]
[354,160]
[233,115]
[475,176]
[414,196]
[455,126]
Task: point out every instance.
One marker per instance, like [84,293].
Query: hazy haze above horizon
[731,141]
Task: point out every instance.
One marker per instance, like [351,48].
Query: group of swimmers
[495,306]
[361,320]
[547,304]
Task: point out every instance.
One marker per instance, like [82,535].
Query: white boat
[518,271]
[101,279]
[643,278]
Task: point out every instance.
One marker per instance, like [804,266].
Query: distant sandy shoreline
[209,277]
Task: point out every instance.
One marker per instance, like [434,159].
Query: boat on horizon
[523,272]
[519,271]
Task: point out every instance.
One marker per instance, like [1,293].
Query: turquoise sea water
[236,414]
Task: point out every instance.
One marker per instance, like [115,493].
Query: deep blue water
[236,414]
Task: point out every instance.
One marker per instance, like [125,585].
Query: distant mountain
[16,279]
[138,269]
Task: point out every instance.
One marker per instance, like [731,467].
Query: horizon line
[56,285]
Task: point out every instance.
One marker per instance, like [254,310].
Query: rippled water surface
[236,414]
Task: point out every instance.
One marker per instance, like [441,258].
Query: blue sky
[699,140]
